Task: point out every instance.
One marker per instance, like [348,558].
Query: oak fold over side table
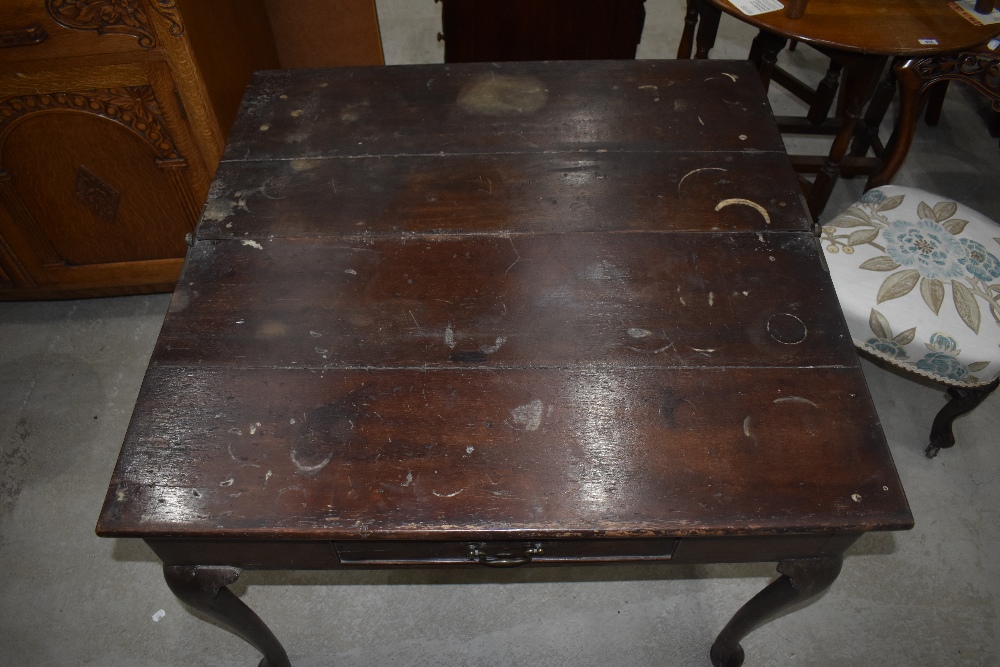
[519,314]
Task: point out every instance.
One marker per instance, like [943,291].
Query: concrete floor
[70,372]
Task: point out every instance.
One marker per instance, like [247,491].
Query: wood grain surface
[408,316]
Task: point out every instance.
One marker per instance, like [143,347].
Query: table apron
[374,554]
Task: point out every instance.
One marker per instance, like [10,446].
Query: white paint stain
[449,336]
[639,333]
[711,298]
[447,495]
[253,429]
[265,127]
[731,76]
[304,468]
[292,420]
[746,427]
[158,616]
[315,334]
[296,113]
[490,349]
[700,120]
[350,272]
[794,399]
[743,137]
[656,93]
[409,478]
[252,244]
[267,477]
[228,482]
[529,416]
[703,350]
[856,497]
[470,449]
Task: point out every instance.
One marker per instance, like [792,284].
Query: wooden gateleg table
[503,315]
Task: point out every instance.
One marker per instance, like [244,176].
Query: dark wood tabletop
[434,309]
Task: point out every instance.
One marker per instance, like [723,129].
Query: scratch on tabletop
[695,171]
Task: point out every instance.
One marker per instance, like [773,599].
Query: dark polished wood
[801,579]
[501,315]
[204,588]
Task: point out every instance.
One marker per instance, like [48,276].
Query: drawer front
[33,29]
[504,553]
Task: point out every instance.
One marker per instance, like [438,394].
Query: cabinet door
[98,190]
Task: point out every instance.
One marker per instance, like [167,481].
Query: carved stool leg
[204,588]
[963,399]
[802,579]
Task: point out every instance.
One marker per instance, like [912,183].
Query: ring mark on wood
[787,329]
[745,202]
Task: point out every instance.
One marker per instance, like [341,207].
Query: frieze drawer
[504,553]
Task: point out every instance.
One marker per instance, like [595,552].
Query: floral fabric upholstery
[918,278]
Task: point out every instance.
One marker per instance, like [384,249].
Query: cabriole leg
[963,399]
[801,579]
[204,588]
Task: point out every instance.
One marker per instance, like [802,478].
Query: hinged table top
[504,301]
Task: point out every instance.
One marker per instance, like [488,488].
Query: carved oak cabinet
[113,115]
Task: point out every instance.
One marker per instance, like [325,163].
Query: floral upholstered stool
[919,281]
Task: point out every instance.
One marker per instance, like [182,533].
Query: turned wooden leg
[687,35]
[862,76]
[802,578]
[877,109]
[764,54]
[825,92]
[708,28]
[911,90]
[204,588]
[963,399]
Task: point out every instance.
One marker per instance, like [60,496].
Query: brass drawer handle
[33,34]
[504,558]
